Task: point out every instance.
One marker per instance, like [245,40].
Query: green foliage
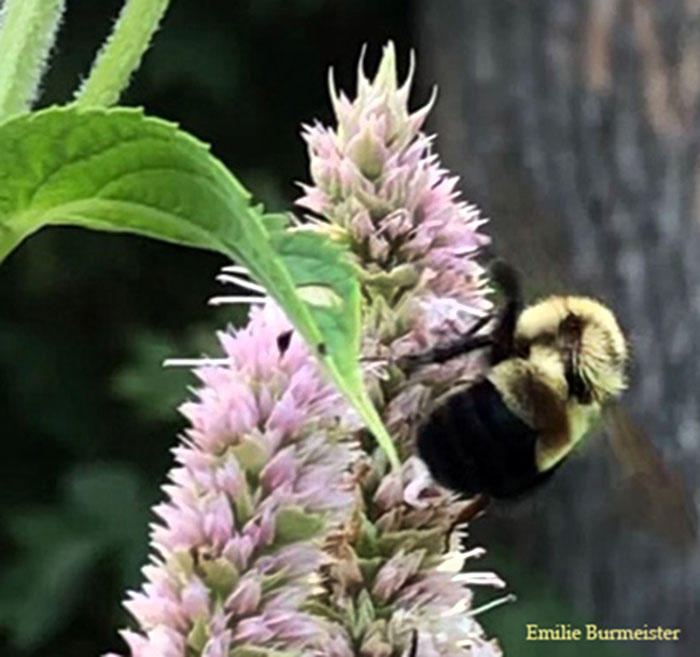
[62,386]
[60,549]
[122,53]
[27,32]
[81,309]
[155,390]
[118,170]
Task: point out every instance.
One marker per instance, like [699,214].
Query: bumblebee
[552,368]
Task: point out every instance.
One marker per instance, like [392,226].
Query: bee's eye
[577,387]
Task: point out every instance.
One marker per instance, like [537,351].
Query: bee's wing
[653,497]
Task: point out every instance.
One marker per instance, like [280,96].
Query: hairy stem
[122,53]
[27,33]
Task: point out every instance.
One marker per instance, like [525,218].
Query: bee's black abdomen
[474,443]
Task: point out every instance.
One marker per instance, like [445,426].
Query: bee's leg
[500,339]
[442,353]
[413,649]
[507,280]
[447,352]
[503,336]
[478,325]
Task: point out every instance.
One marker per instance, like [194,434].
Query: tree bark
[574,124]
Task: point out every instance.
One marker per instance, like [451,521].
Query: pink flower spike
[218,646]
[382,189]
[262,422]
[246,598]
[274,509]
[195,600]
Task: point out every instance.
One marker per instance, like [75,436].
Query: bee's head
[586,336]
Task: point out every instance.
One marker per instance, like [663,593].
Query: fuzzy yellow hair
[602,354]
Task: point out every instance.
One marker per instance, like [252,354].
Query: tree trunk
[575,126]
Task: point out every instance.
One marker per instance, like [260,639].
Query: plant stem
[27,33]
[122,53]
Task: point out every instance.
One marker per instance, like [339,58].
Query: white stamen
[196,362]
[236,269]
[241,282]
[219,301]
[474,553]
[452,562]
[457,609]
[494,603]
[480,579]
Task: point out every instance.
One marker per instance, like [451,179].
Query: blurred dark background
[574,126]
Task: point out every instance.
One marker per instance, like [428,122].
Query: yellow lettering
[621,635]
[593,633]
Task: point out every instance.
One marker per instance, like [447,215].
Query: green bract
[118,170]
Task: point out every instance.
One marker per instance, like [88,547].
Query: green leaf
[294,524]
[118,170]
[315,262]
